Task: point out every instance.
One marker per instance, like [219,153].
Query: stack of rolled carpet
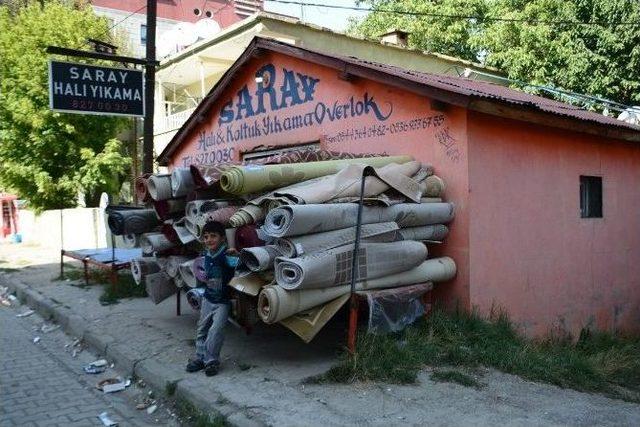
[292,217]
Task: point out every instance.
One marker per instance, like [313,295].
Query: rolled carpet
[155,242]
[194,298]
[132,221]
[296,220]
[181,182]
[183,232]
[198,269]
[186,272]
[259,258]
[333,267]
[346,183]
[258,178]
[433,186]
[142,267]
[276,303]
[171,208]
[142,193]
[435,232]
[159,287]
[178,282]
[159,187]
[249,214]
[221,215]
[130,241]
[173,265]
[197,208]
[305,244]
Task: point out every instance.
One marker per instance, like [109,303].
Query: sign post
[91,89]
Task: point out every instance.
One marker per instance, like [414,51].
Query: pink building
[547,223]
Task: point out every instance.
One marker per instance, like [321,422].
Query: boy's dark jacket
[219,269]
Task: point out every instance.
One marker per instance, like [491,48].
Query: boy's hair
[214,227]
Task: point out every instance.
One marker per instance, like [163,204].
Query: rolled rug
[173,265]
[296,220]
[248,214]
[196,208]
[178,282]
[194,298]
[142,192]
[159,287]
[246,236]
[130,241]
[171,208]
[142,267]
[170,232]
[198,269]
[183,232]
[155,242]
[433,186]
[221,215]
[181,182]
[276,303]
[186,272]
[257,178]
[435,232]
[159,187]
[347,183]
[208,175]
[259,258]
[132,221]
[333,267]
[309,243]
[194,227]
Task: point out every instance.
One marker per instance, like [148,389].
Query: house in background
[184,78]
[546,223]
[178,22]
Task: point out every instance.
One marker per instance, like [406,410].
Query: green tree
[577,45]
[48,157]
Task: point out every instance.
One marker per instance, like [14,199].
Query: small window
[591,196]
[143,34]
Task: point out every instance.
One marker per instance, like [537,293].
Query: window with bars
[143,34]
[590,196]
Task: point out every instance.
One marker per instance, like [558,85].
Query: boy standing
[214,311]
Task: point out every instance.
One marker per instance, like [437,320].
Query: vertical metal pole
[149,88]
[353,307]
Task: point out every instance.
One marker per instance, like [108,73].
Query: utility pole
[149,88]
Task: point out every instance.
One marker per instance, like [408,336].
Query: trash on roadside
[49,328]
[151,409]
[111,385]
[106,421]
[12,298]
[96,367]
[26,313]
[36,340]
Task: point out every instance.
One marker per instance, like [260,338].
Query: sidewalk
[261,378]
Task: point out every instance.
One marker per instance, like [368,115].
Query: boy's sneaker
[211,369]
[195,365]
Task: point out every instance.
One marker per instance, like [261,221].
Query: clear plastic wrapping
[392,310]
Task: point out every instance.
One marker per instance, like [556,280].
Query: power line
[456,16]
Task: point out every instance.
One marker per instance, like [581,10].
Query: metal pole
[353,307]
[149,88]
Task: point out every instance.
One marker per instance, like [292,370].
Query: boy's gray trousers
[210,331]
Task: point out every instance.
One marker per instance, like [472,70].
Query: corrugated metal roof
[482,89]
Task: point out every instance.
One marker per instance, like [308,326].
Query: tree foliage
[48,157]
[543,44]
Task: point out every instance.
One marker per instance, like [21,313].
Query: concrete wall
[82,228]
[530,251]
[394,122]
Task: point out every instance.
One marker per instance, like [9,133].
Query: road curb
[148,370]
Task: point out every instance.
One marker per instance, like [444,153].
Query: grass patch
[194,417]
[125,288]
[8,270]
[597,362]
[170,388]
[449,376]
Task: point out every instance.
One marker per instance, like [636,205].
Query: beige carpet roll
[159,187]
[435,232]
[159,287]
[433,186]
[155,242]
[333,267]
[259,178]
[142,267]
[309,243]
[296,220]
[185,271]
[249,214]
[173,265]
[347,182]
[276,303]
